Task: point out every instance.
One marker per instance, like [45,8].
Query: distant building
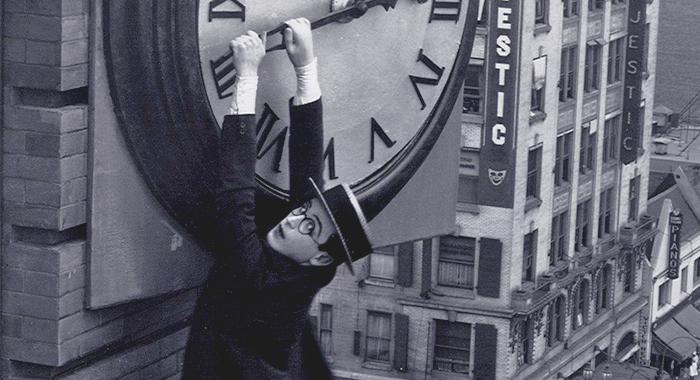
[544,273]
[675,316]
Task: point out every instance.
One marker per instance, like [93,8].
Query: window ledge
[377,365]
[468,207]
[532,202]
[537,116]
[446,291]
[542,28]
[381,282]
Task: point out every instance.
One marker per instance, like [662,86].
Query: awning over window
[679,334]
[539,72]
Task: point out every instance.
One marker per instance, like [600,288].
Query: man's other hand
[299,42]
[248,52]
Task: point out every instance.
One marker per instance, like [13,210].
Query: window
[529,252]
[610,133]
[605,216]
[587,151]
[570,8]
[633,198]
[696,272]
[579,313]
[684,280]
[591,73]
[381,263]
[539,75]
[452,346]
[595,5]
[628,265]
[533,173]
[326,329]
[582,225]
[615,60]
[378,336]
[562,161]
[567,76]
[555,322]
[467,190]
[618,1]
[557,249]
[525,338]
[664,293]
[603,290]
[456,265]
[541,12]
[473,100]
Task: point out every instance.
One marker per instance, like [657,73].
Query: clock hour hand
[357,10]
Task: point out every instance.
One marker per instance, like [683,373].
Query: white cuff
[308,89]
[244,92]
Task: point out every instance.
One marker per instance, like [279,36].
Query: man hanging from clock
[251,320]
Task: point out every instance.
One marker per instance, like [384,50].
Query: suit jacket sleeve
[305,149]
[235,198]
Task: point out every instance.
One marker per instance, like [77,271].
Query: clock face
[389,80]
[381,77]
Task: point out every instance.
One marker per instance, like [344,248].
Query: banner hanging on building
[632,119]
[675,222]
[497,157]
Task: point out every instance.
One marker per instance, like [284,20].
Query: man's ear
[322,259]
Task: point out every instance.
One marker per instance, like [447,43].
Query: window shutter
[485,344]
[356,343]
[489,268]
[427,273]
[405,273]
[401,342]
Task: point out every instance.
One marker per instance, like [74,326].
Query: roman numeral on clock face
[376,129]
[224,74]
[330,154]
[267,121]
[416,80]
[216,10]
[445,10]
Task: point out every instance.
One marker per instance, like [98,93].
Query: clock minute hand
[355,11]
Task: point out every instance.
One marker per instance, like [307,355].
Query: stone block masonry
[47,331]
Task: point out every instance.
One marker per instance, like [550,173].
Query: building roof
[660,182]
[683,196]
[662,109]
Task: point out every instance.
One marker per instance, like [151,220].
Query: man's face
[300,233]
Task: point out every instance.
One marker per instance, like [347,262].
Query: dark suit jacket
[251,320]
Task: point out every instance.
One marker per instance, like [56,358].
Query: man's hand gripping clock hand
[298,41]
[248,51]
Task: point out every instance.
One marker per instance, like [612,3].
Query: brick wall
[47,332]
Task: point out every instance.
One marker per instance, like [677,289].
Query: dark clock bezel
[152,57]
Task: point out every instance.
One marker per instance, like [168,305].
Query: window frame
[442,326]
[628,273]
[664,294]
[371,315]
[580,305]
[567,74]
[616,53]
[596,5]
[468,261]
[633,199]
[325,333]
[534,166]
[469,91]
[562,159]
[603,290]
[611,131]
[383,252]
[591,71]
[529,257]
[559,238]
[605,212]
[571,8]
[696,271]
[542,19]
[587,150]
[555,325]
[583,221]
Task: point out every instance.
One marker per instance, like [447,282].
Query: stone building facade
[544,278]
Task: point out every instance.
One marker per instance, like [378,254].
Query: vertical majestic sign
[634,67]
[675,222]
[497,158]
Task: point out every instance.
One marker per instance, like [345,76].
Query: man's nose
[294,220]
